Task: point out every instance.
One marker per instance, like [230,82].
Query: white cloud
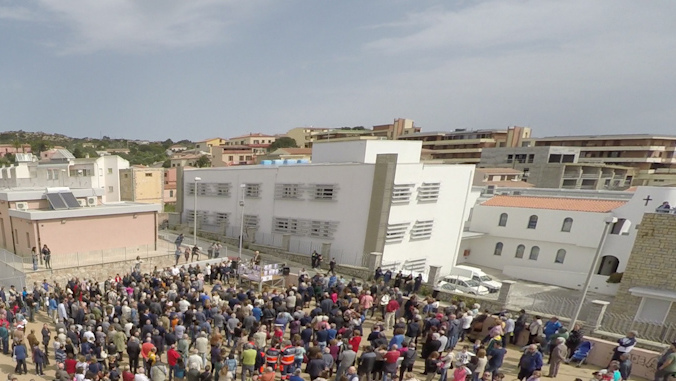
[16,13]
[133,26]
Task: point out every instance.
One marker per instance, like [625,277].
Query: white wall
[447,212]
[365,151]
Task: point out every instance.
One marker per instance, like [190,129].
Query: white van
[477,275]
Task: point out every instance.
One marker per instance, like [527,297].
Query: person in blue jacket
[19,353]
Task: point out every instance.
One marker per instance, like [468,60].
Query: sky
[157,69]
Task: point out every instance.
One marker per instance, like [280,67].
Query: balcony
[590,175]
[571,175]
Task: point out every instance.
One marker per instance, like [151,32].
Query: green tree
[166,164]
[203,161]
[283,142]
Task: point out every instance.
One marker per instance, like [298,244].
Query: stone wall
[651,263]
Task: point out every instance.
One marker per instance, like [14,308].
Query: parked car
[465,285]
[478,275]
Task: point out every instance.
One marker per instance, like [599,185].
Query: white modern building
[64,170]
[551,236]
[357,197]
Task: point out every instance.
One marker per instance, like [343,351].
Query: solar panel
[56,201]
[70,200]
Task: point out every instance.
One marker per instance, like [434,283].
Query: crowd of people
[192,322]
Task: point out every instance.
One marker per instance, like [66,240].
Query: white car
[445,286]
[465,285]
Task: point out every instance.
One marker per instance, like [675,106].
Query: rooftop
[606,137]
[555,203]
[496,171]
[296,151]
[456,132]
[254,135]
[509,184]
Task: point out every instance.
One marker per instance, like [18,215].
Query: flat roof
[441,133]
[555,203]
[95,211]
[34,193]
[606,137]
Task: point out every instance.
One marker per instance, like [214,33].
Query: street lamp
[609,221]
[194,189]
[242,188]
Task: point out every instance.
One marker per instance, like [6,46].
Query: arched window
[609,265]
[534,252]
[560,256]
[503,219]
[567,224]
[519,251]
[498,249]
[533,222]
[621,227]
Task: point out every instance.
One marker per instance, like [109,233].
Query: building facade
[552,238]
[558,167]
[355,198]
[465,147]
[304,135]
[142,184]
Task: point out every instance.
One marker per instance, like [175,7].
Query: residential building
[142,184]
[64,170]
[288,154]
[500,177]
[355,198]
[124,151]
[646,153]
[343,135]
[551,236]
[28,218]
[204,145]
[183,159]
[396,129]
[228,155]
[169,186]
[304,135]
[11,149]
[646,296]
[464,147]
[259,142]
[179,147]
[558,167]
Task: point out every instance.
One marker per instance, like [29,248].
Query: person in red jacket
[355,340]
[146,348]
[172,358]
[127,375]
[288,357]
[391,313]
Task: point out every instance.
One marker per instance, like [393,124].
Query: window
[110,171]
[149,175]
[533,222]
[401,193]
[560,256]
[519,251]
[322,229]
[531,158]
[251,221]
[252,191]
[285,225]
[110,189]
[554,158]
[498,249]
[534,252]
[396,232]
[422,229]
[171,193]
[652,310]
[609,265]
[503,219]
[28,240]
[567,224]
[621,227]
[429,192]
[288,191]
[324,192]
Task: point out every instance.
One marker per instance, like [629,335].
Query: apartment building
[142,184]
[229,155]
[64,170]
[557,167]
[204,145]
[11,149]
[396,129]
[356,197]
[650,155]
[304,135]
[465,146]
[257,141]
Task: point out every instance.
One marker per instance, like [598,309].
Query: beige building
[254,140]
[206,145]
[142,185]
[396,129]
[500,177]
[304,135]
[288,154]
[465,147]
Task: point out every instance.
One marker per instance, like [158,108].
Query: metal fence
[11,270]
[548,304]
[652,331]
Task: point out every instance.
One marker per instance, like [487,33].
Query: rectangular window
[324,192]
[653,310]
[288,191]
[110,189]
[285,225]
[396,232]
[252,191]
[322,229]
[251,221]
[554,158]
[401,193]
[428,192]
[110,171]
[149,175]
[171,193]
[422,229]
